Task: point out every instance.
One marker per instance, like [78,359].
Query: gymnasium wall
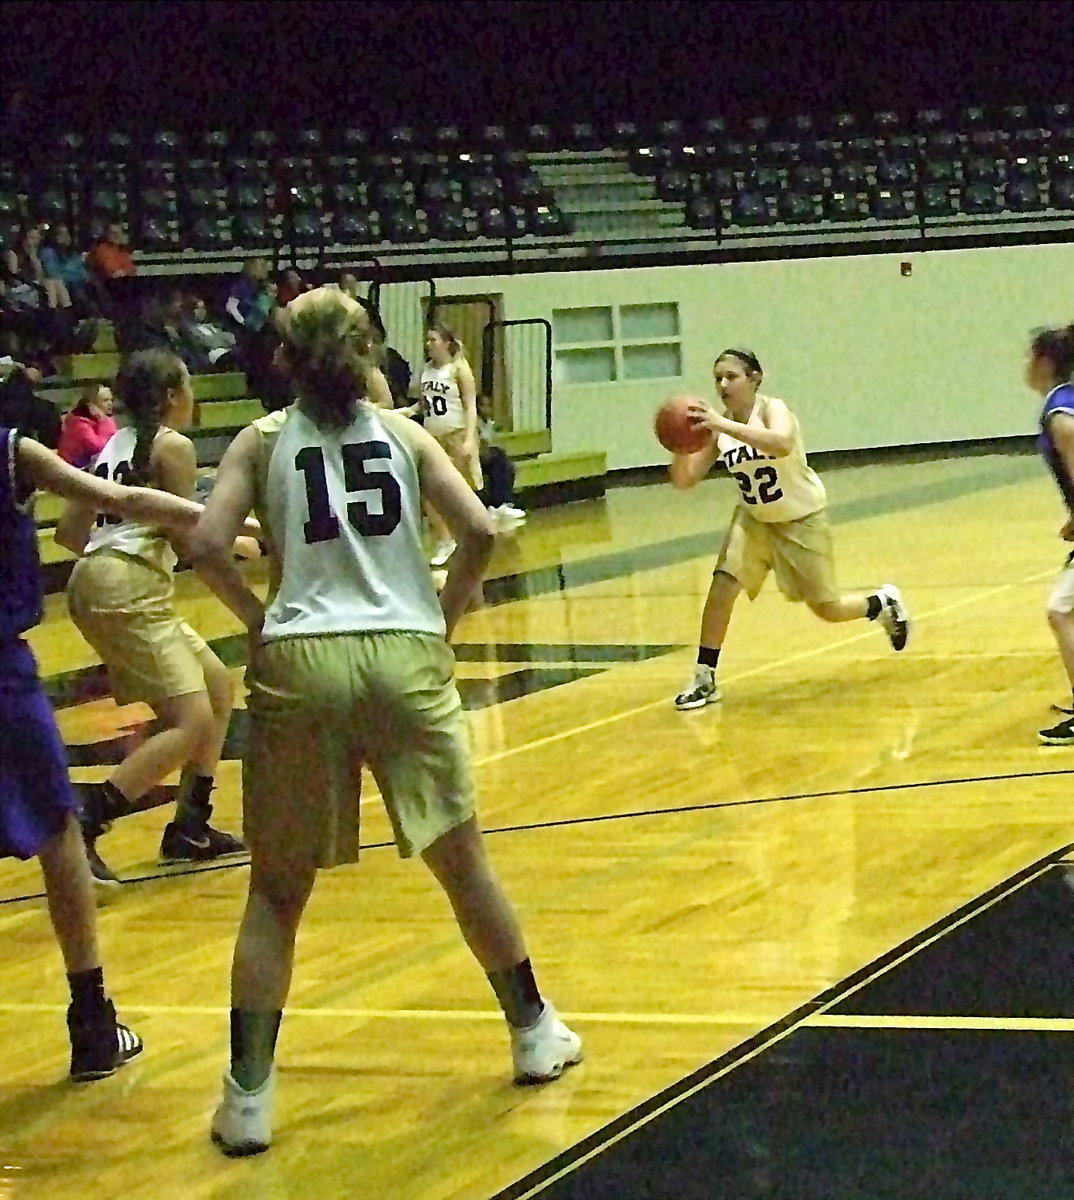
[867,356]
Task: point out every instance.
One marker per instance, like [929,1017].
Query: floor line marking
[990,1024]
[602,1143]
[917,947]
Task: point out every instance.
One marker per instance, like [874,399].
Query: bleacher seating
[928,165]
[230,192]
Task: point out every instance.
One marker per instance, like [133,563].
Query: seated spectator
[498,472]
[253,296]
[22,408]
[348,284]
[60,260]
[110,257]
[87,426]
[112,269]
[157,325]
[209,345]
[28,330]
[391,364]
[291,284]
[25,275]
[255,354]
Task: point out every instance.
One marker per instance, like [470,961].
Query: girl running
[120,597]
[779,525]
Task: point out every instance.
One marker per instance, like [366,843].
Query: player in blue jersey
[37,803]
[1048,372]
[351,667]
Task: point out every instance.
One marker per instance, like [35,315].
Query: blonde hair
[325,345]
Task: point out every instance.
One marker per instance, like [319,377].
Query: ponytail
[143,386]
[445,334]
[325,348]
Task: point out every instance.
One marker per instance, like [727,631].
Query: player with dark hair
[1049,368]
[779,525]
[37,803]
[120,594]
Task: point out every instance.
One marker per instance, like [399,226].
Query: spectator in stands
[87,426]
[253,296]
[22,408]
[157,327]
[290,285]
[207,345]
[389,362]
[348,285]
[112,268]
[110,257]
[60,260]
[498,472]
[25,274]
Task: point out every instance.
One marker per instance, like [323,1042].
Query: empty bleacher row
[220,190]
[934,165]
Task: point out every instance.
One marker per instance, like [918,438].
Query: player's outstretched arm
[211,544]
[40,468]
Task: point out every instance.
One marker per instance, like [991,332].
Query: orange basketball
[674,428]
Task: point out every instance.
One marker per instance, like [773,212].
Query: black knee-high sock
[707,657]
[253,1046]
[517,992]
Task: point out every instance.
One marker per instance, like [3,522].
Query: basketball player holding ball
[779,524]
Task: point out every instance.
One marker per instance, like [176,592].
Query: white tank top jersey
[442,400]
[342,510]
[773,489]
[113,533]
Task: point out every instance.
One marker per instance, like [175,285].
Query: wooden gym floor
[763,908]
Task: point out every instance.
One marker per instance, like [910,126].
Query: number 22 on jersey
[768,489]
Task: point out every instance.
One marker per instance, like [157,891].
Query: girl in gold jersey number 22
[779,525]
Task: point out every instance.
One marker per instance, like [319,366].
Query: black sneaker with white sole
[1059,735]
[99,1043]
[702,690]
[197,843]
[894,615]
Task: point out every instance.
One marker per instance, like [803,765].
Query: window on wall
[617,342]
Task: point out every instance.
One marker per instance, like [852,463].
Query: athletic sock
[707,657]
[874,607]
[87,990]
[193,806]
[253,1046]
[116,803]
[516,990]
